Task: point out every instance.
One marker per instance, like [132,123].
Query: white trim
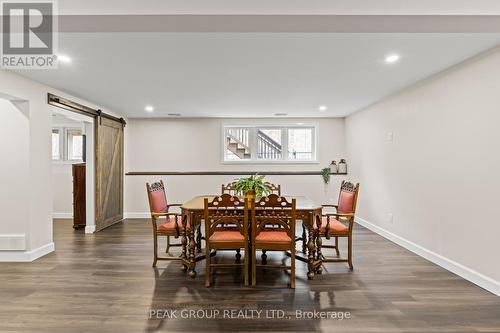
[136,215]
[62,215]
[89,229]
[465,272]
[26,256]
[89,177]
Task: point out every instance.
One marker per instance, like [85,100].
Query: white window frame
[284,139]
[66,146]
[63,145]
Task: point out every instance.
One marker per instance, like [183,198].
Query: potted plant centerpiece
[252,187]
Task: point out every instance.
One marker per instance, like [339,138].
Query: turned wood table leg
[192,247]
[304,238]
[311,248]
[319,243]
[184,241]
[198,237]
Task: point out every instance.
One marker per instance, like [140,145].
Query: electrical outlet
[390,218]
[390,136]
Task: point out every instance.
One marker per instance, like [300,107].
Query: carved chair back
[157,197]
[274,212]
[228,188]
[226,210]
[275,189]
[348,198]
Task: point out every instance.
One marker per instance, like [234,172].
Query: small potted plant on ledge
[252,187]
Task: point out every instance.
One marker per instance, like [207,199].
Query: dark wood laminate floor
[104,283]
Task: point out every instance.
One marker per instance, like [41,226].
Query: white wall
[37,224]
[195,145]
[14,175]
[440,175]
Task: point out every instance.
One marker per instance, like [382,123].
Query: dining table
[307,212]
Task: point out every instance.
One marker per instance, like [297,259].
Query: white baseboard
[89,229]
[62,215]
[26,256]
[137,215]
[448,264]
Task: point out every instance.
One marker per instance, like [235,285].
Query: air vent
[174,114]
[281,114]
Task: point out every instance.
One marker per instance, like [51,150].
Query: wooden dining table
[307,211]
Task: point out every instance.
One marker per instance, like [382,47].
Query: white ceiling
[250,74]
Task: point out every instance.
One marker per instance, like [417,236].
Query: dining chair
[165,223]
[275,189]
[228,188]
[273,229]
[218,213]
[340,223]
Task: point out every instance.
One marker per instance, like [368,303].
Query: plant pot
[250,195]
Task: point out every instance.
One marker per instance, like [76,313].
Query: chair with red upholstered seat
[165,223]
[219,213]
[273,229]
[340,223]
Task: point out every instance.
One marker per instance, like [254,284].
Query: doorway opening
[73,169]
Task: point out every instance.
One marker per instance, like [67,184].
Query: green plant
[325,173]
[253,183]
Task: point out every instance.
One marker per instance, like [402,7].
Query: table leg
[184,241]
[198,238]
[192,246]
[319,243]
[304,238]
[311,247]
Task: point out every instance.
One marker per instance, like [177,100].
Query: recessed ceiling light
[63,58]
[149,108]
[322,108]
[392,58]
[174,114]
[280,114]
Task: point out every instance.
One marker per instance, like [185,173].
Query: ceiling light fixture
[322,108]
[149,108]
[392,58]
[63,58]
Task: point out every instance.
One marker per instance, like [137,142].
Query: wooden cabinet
[79,205]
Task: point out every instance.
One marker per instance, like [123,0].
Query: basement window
[269,144]
[67,144]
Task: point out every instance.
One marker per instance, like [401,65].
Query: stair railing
[267,148]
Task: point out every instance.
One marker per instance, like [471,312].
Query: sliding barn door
[109,172]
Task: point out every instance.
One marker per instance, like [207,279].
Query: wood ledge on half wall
[228,173]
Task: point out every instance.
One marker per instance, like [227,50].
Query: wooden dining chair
[273,229]
[275,189]
[228,188]
[165,223]
[219,212]
[340,223]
